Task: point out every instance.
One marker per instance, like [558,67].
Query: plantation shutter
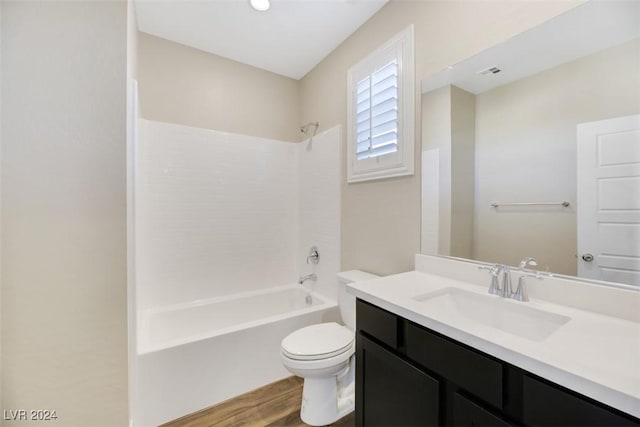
[380,125]
[377,112]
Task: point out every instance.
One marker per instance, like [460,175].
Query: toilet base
[326,400]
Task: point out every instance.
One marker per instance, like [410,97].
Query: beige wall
[436,135]
[463,121]
[526,151]
[182,85]
[132,112]
[448,125]
[381,219]
[1,406]
[64,331]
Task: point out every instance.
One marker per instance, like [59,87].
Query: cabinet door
[468,413]
[377,322]
[391,391]
[545,404]
[470,369]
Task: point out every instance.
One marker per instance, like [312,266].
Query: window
[381,112]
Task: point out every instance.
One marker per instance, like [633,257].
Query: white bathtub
[196,355]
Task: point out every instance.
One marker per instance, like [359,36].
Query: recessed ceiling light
[261,5]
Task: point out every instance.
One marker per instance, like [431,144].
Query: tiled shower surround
[219,213]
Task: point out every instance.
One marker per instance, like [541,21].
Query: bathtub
[192,356]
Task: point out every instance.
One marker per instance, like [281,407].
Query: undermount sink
[505,315]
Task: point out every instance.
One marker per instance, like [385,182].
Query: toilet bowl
[323,354]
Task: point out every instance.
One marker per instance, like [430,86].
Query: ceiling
[289,39]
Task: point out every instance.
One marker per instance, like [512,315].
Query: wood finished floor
[274,405]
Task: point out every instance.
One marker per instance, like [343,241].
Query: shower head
[305,128]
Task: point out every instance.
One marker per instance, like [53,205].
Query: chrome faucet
[505,291]
[311,276]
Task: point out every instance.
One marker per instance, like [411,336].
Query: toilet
[323,354]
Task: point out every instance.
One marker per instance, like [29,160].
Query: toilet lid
[319,341]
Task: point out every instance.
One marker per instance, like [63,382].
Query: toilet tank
[347,301]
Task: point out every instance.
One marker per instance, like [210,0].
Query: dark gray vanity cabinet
[396,392]
[408,375]
[403,394]
[468,413]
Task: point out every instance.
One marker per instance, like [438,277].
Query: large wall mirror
[532,148]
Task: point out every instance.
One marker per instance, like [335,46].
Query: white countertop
[593,354]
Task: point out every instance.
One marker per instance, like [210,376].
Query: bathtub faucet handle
[314,256]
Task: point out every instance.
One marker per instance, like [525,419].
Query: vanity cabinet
[468,413]
[408,375]
[397,392]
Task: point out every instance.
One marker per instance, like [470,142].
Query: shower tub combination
[222,222]
[192,356]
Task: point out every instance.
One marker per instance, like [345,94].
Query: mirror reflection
[532,148]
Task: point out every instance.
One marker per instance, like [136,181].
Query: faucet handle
[495,288]
[528,261]
[314,256]
[496,269]
[521,292]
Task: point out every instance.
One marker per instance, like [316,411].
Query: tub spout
[311,276]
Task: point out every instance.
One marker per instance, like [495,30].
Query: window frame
[401,162]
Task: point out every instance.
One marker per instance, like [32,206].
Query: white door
[608,200]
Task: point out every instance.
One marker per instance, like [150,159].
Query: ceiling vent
[490,70]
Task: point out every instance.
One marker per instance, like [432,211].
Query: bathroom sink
[506,315]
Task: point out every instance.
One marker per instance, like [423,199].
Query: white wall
[64,314]
[216,213]
[526,152]
[319,180]
[220,213]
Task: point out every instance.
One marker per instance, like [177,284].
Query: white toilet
[323,355]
